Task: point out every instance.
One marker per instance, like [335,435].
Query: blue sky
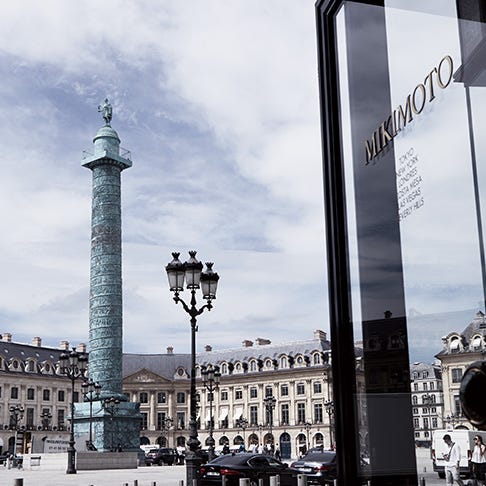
[218,103]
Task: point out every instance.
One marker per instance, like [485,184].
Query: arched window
[316,359]
[284,362]
[454,345]
[253,365]
[224,369]
[415,400]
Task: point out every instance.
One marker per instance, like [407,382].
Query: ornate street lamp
[269,403]
[329,405]
[16,415]
[211,377]
[191,272]
[91,393]
[307,426]
[111,405]
[165,425]
[46,417]
[242,424]
[74,366]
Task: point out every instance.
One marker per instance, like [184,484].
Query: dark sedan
[161,456]
[319,467]
[245,465]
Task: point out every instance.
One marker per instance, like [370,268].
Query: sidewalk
[146,476]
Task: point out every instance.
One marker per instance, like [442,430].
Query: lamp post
[16,415]
[91,392]
[260,430]
[307,426]
[191,272]
[74,366]
[242,423]
[111,405]
[269,403]
[46,417]
[329,405]
[211,377]
[165,425]
[451,419]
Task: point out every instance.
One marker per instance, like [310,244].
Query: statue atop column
[106,110]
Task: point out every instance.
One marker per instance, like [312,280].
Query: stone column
[105,299]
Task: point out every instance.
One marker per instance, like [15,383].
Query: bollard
[135,482]
[181,482]
[422,481]
[224,480]
[18,482]
[244,481]
[260,482]
[335,482]
[301,480]
[194,482]
[273,481]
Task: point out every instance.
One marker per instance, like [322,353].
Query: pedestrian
[277,454]
[226,449]
[261,449]
[452,461]
[478,460]
[254,448]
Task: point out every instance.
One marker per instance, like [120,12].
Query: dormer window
[284,362]
[477,343]
[454,345]
[316,359]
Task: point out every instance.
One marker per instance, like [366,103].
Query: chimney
[37,341]
[170,350]
[262,341]
[64,345]
[81,348]
[7,337]
[321,335]
[208,348]
[247,343]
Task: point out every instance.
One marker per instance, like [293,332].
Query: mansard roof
[265,351]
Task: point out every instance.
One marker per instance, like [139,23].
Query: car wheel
[441,475]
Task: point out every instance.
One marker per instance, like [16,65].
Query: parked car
[164,455]
[319,467]
[245,465]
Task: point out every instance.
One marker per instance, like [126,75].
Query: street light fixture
[329,405]
[307,426]
[269,403]
[242,424]
[111,405]
[91,393]
[74,366]
[211,377]
[165,425]
[195,278]
[16,415]
[46,417]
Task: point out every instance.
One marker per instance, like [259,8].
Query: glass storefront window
[403,87]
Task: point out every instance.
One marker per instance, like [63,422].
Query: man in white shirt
[453,458]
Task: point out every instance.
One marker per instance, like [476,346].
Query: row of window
[29,366]
[426,423]
[427,386]
[46,394]
[143,397]
[426,399]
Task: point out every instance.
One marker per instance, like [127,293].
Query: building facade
[427,401]
[296,374]
[459,350]
[35,397]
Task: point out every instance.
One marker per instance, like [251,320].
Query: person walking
[452,461]
[478,460]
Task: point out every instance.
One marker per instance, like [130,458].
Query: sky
[218,104]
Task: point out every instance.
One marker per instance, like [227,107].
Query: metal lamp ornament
[191,272]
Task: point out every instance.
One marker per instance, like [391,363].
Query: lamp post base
[193,462]
[71,468]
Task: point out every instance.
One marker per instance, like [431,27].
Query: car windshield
[230,459]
